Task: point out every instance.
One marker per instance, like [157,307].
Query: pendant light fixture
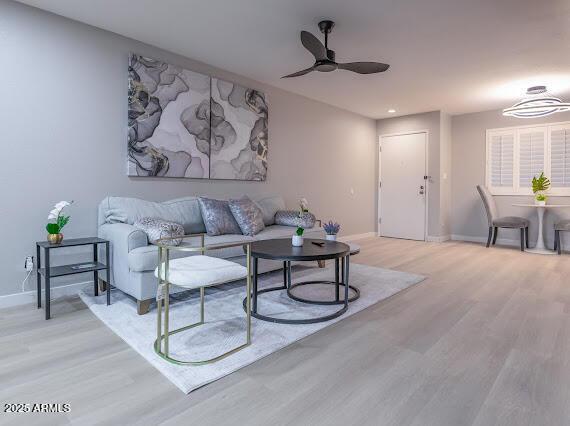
[538,103]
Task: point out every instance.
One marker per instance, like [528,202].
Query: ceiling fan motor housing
[326,26]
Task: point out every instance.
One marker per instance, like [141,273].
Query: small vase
[297,240]
[330,237]
[55,238]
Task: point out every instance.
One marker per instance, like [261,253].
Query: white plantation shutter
[531,155]
[560,157]
[516,154]
[501,160]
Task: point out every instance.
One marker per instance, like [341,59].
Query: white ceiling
[455,55]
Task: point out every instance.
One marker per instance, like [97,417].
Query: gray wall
[445,174]
[427,121]
[468,169]
[63,133]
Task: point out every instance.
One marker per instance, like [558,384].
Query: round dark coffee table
[283,250]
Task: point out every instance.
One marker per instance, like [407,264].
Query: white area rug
[225,320]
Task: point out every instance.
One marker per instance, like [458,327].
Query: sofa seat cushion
[281,231]
[146,258]
[269,206]
[202,271]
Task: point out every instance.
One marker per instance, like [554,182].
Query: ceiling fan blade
[313,45]
[298,73]
[364,67]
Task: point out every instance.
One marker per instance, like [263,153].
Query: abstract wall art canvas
[169,120]
[186,124]
[239,133]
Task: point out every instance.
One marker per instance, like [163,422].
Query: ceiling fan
[325,58]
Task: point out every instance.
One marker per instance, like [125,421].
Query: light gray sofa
[133,259]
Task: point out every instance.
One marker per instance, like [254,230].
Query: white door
[402,188]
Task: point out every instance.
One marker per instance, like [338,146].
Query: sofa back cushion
[269,206]
[185,211]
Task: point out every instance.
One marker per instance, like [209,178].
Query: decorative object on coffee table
[303,215]
[297,239]
[281,249]
[57,222]
[50,272]
[331,230]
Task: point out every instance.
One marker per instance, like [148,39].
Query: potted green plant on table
[540,185]
[297,239]
[331,230]
[57,222]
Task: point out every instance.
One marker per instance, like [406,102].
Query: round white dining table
[540,246]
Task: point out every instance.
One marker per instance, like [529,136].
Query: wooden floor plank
[484,340]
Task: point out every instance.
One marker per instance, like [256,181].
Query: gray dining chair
[564,226]
[496,222]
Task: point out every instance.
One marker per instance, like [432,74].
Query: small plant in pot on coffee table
[331,230]
[297,239]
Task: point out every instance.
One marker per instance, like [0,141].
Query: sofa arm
[123,237]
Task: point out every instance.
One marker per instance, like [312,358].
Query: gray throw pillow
[155,229]
[292,218]
[218,217]
[248,216]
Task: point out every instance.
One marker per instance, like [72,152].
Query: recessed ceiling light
[391,110]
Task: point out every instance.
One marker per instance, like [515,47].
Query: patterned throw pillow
[248,216]
[291,218]
[155,229]
[217,217]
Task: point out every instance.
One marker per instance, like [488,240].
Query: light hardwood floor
[484,340]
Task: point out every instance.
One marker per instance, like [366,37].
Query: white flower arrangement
[59,220]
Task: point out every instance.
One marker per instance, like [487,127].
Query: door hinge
[379,184]
[379,220]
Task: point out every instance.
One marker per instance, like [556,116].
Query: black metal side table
[50,272]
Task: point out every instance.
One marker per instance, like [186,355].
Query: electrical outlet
[29,263]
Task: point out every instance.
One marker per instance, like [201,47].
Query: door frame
[379,177]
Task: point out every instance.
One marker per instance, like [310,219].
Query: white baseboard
[439,239]
[357,236]
[30,296]
[500,241]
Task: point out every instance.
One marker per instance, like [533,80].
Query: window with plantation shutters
[532,146]
[502,149]
[560,157]
[516,154]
